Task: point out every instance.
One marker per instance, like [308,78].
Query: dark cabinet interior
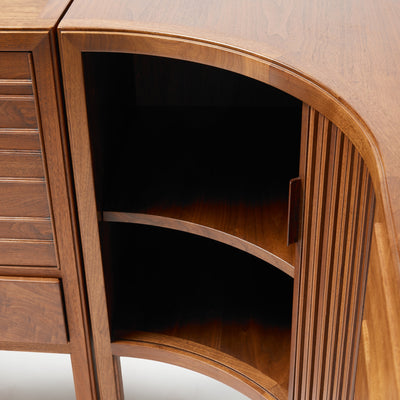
[191,161]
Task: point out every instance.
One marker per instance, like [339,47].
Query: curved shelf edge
[199,358]
[201,230]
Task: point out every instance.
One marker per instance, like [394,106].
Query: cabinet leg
[84,381]
[118,377]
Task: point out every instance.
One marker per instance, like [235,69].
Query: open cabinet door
[338,214]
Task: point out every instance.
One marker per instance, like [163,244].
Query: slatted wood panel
[26,237]
[338,216]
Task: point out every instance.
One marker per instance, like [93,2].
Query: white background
[35,376]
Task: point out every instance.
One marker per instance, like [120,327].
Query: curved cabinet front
[140,156]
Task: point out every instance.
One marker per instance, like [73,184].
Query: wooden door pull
[294,211]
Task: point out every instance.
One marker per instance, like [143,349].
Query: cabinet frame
[42,48]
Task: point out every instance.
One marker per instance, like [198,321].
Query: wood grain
[270,247]
[31,311]
[21,252]
[15,87]
[26,228]
[23,198]
[14,65]
[14,139]
[58,178]
[202,359]
[27,14]
[17,112]
[21,164]
[377,376]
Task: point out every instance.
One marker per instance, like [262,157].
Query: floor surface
[35,376]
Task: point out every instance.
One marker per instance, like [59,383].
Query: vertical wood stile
[339,207]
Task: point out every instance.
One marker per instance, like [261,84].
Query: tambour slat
[13,139]
[25,228]
[17,112]
[21,164]
[23,198]
[14,65]
[39,253]
[15,87]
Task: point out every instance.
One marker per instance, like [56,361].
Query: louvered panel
[338,216]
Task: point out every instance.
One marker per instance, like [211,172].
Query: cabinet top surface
[349,47]
[31,14]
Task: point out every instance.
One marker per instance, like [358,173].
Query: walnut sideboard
[215,185]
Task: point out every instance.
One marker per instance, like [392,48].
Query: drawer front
[23,198]
[17,112]
[21,164]
[31,311]
[14,65]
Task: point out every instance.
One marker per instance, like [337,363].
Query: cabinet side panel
[336,239]
[378,369]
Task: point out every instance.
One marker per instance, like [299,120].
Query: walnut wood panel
[14,87]
[23,198]
[17,112]
[22,164]
[14,65]
[26,228]
[15,139]
[30,15]
[214,224]
[200,358]
[20,252]
[337,228]
[32,311]
[55,149]
[378,377]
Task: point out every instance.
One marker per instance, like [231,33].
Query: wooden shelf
[259,228]
[199,297]
[186,353]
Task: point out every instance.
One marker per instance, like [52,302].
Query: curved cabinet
[174,127]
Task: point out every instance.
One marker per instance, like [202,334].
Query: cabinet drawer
[21,164]
[17,112]
[23,198]
[16,252]
[31,311]
[14,65]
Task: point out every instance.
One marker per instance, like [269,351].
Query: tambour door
[338,214]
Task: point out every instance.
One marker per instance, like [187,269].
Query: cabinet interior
[195,144]
[203,150]
[166,282]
